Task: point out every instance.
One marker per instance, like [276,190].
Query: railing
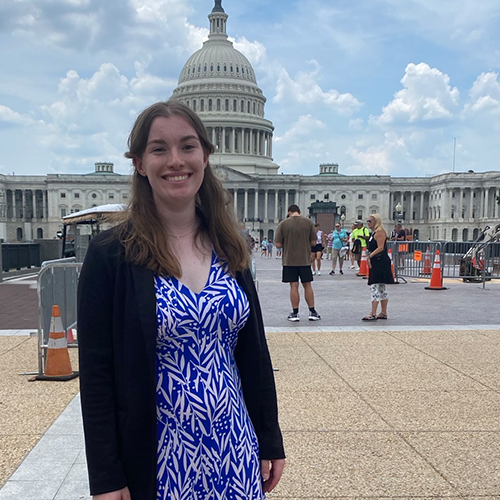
[57,285]
[466,260]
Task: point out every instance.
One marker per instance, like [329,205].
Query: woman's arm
[95,341]
[257,376]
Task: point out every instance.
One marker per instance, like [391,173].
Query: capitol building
[219,83]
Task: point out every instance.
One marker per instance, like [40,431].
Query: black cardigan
[117,362]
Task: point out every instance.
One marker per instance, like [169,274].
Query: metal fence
[464,260]
[57,285]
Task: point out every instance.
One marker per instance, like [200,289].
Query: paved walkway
[403,408]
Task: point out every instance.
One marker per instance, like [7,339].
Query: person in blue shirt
[339,240]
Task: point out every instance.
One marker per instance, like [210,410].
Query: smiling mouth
[176,178]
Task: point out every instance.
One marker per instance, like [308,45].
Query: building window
[63,195]
[63,212]
[94,195]
[202,105]
[374,196]
[77,195]
[125,196]
[360,214]
[235,105]
[360,196]
[226,105]
[218,104]
[326,196]
[313,197]
[194,105]
[111,196]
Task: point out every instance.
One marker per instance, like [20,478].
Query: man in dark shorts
[296,235]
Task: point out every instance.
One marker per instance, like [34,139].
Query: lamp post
[399,211]
[342,218]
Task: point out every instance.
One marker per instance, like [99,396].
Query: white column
[266,200]
[286,201]
[276,196]
[422,198]
[461,202]
[14,215]
[256,210]
[497,206]
[411,206]
[246,205]
[33,196]
[471,204]
[232,141]
[235,201]
[258,142]
[23,204]
[270,146]
[486,200]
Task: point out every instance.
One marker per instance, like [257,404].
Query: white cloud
[427,96]
[8,115]
[301,145]
[255,51]
[377,159]
[484,98]
[305,90]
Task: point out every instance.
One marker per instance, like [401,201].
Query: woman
[177,387]
[339,237]
[379,268]
[317,251]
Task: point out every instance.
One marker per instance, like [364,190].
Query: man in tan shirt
[296,235]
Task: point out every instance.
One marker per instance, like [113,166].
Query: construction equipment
[472,264]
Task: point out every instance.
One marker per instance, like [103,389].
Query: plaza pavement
[403,408]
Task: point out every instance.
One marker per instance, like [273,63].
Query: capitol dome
[219,83]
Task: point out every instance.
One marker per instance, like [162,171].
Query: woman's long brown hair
[143,235]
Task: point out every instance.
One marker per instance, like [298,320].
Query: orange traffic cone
[363,267]
[427,262]
[437,277]
[58,364]
[389,251]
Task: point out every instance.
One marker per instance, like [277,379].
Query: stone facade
[452,206]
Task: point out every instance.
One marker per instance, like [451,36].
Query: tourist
[176,378]
[295,235]
[379,268]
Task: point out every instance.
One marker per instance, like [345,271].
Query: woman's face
[370,222]
[174,162]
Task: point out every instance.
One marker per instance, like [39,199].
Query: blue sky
[377,86]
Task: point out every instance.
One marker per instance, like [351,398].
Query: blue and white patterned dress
[207,448]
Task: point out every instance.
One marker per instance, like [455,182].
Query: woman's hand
[123,494]
[271,471]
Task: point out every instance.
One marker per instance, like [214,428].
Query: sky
[381,87]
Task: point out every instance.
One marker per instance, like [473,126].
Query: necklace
[179,236]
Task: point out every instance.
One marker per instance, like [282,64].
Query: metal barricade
[415,259]
[57,285]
